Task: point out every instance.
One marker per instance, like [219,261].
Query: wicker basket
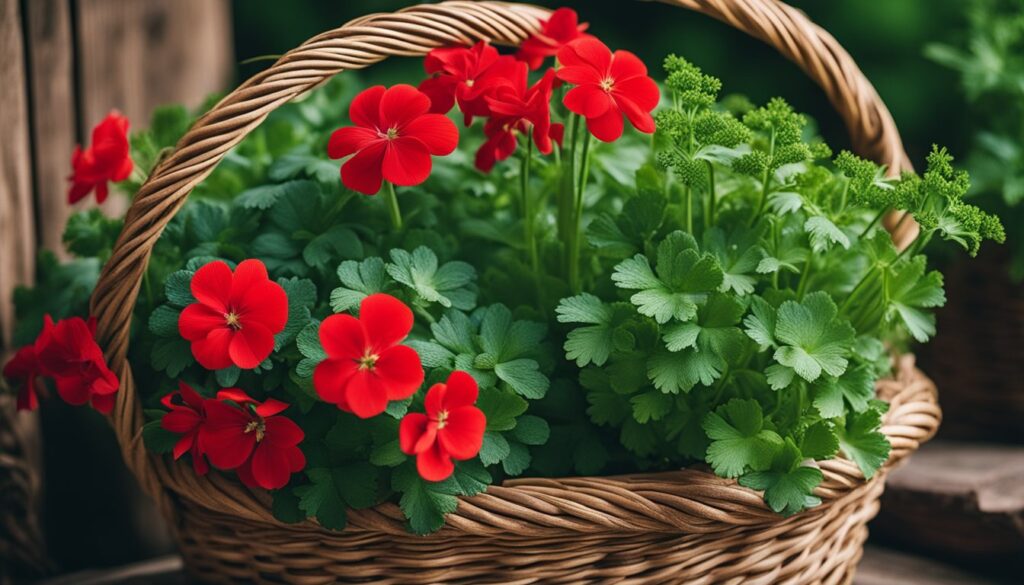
[683,526]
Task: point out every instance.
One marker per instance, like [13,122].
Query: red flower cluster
[106,160]
[393,139]
[68,353]
[608,86]
[484,83]
[452,428]
[556,32]
[366,365]
[234,431]
[236,315]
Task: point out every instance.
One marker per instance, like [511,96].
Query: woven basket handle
[412,32]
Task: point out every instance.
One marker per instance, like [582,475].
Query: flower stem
[391,200]
[576,234]
[688,208]
[874,221]
[709,219]
[801,288]
[529,219]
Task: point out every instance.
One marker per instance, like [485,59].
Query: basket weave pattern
[683,526]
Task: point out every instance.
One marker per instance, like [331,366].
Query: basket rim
[413,31]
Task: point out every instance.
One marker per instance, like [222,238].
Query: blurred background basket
[687,525]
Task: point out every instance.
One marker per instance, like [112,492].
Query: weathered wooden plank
[17,236]
[134,56]
[54,127]
[961,500]
[882,566]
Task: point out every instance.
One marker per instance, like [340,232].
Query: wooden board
[54,125]
[963,501]
[17,235]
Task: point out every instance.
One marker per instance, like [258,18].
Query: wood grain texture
[54,126]
[136,55]
[17,235]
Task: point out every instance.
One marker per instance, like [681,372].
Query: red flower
[106,160]
[452,428]
[393,138]
[68,353]
[559,30]
[608,86]
[236,316]
[187,415]
[249,437]
[22,371]
[366,367]
[516,108]
[465,75]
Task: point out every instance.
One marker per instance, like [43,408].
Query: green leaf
[650,405]
[337,242]
[423,504]
[171,355]
[163,321]
[739,441]
[531,430]
[387,455]
[91,234]
[308,343]
[301,295]
[518,459]
[358,281]
[684,277]
[157,439]
[334,490]
[739,256]
[285,506]
[788,487]
[495,448]
[523,376]
[861,441]
[824,234]
[814,340]
[592,344]
[501,407]
[760,324]
[676,372]
[469,479]
[819,441]
[178,288]
[291,166]
[265,196]
[856,386]
[449,285]
[911,293]
[228,377]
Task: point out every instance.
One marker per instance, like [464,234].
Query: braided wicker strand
[650,528]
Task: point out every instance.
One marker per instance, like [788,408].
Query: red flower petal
[412,428]
[434,464]
[342,336]
[579,75]
[270,466]
[639,118]
[281,431]
[400,370]
[400,104]
[181,420]
[643,91]
[330,378]
[386,320]
[435,131]
[103,403]
[362,172]
[588,101]
[198,320]
[212,352]
[626,65]
[247,274]
[463,435]
[586,52]
[347,140]
[211,285]
[365,394]
[406,162]
[265,303]
[461,390]
[365,108]
[433,402]
[606,128]
[250,345]
[441,91]
[223,437]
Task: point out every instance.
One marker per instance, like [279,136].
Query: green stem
[688,208]
[802,286]
[709,220]
[857,289]
[874,222]
[391,200]
[528,211]
[577,229]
